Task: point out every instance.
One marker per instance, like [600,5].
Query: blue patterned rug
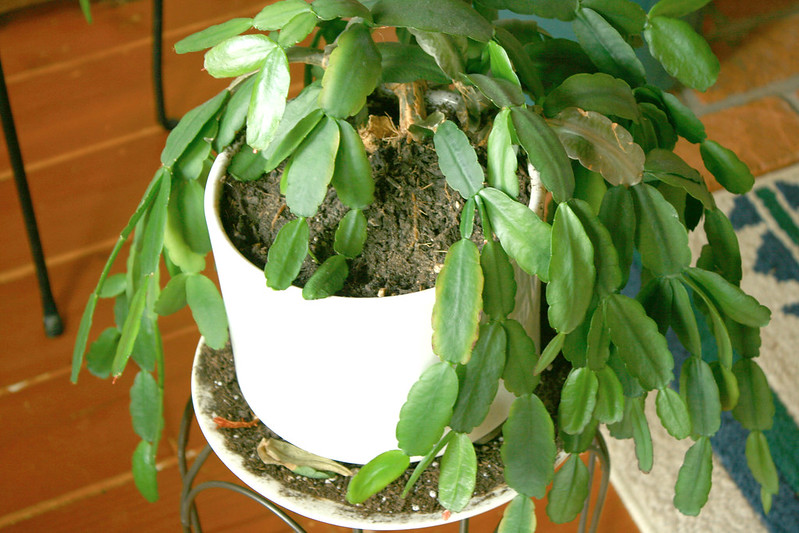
[766,221]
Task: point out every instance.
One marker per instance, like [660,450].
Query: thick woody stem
[411,104]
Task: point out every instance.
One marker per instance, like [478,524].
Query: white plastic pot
[330,375]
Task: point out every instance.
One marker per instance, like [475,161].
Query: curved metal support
[598,451]
[188,511]
[193,520]
[188,503]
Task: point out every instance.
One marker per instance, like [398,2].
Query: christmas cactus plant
[620,203]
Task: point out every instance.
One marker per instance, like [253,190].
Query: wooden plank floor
[86,121]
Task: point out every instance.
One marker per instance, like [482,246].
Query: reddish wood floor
[85,117]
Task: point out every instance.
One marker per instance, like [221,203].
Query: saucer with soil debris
[227,424]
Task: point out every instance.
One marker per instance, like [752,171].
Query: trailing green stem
[88,315]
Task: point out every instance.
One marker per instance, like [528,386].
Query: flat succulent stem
[309,56]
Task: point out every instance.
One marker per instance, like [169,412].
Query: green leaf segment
[458,473]
[519,516]
[376,474]
[693,481]
[569,491]
[529,448]
[456,314]
[426,413]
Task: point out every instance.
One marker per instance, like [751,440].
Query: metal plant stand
[190,519]
[53,326]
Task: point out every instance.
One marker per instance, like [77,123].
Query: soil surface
[413,221]
[216,372]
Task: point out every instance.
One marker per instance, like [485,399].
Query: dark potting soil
[216,372]
[413,221]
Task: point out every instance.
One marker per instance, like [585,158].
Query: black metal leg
[53,325]
[158,81]
[597,452]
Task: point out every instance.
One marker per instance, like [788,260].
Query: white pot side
[331,375]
